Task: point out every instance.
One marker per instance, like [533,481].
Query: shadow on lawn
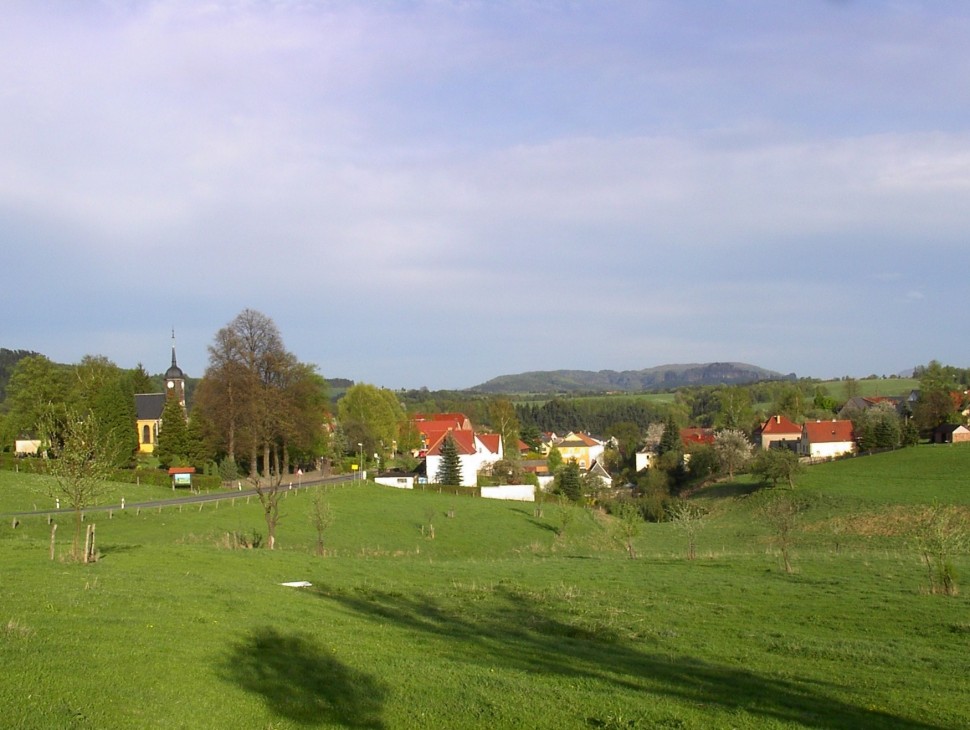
[301,681]
[516,632]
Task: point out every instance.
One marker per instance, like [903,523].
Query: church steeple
[175,378]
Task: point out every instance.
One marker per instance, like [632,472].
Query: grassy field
[872,387]
[497,621]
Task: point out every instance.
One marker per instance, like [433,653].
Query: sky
[435,193]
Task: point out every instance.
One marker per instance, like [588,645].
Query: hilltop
[661,377]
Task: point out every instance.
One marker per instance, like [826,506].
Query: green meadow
[497,620]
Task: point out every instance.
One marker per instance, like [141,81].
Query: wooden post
[53,531]
[87,543]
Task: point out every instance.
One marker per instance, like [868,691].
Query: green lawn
[496,622]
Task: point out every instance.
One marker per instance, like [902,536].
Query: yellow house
[584,449]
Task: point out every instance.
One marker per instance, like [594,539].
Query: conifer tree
[449,470]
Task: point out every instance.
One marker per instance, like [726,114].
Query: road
[303,483]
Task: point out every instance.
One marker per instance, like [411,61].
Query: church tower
[175,379]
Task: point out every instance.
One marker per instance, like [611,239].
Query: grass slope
[496,622]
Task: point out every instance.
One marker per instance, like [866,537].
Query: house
[599,471]
[474,452]
[645,458]
[780,432]
[581,447]
[695,436]
[951,433]
[398,478]
[827,439]
[864,403]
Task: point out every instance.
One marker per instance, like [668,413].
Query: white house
[827,439]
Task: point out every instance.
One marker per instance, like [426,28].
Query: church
[149,406]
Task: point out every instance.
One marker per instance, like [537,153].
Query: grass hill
[497,621]
[655,378]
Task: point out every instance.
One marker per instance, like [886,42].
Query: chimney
[778,419]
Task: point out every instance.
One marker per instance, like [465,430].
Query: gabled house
[827,439]
[474,452]
[599,471]
[951,433]
[581,447]
[780,432]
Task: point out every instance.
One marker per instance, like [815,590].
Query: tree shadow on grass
[303,682]
[518,632]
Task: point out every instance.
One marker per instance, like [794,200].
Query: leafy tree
[734,408]
[80,462]
[935,406]
[449,469]
[114,407]
[777,465]
[260,402]
[627,525]
[569,482]
[502,417]
[36,396]
[370,415]
[554,460]
[733,450]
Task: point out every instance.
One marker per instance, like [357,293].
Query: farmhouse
[827,439]
[780,432]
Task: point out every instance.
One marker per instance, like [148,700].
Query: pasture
[498,621]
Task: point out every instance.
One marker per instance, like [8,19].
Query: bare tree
[689,518]
[781,513]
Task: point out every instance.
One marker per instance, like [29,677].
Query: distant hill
[662,377]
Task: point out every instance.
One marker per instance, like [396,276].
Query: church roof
[148,406]
[175,371]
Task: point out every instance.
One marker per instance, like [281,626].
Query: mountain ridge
[660,377]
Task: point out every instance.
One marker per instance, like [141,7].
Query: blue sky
[436,193]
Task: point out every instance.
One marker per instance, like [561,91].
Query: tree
[260,401]
[781,513]
[569,482]
[114,407]
[449,470]
[777,465]
[936,405]
[502,417]
[173,436]
[370,415]
[554,460]
[80,462]
[689,518]
[733,450]
[734,408]
[36,396]
[670,440]
[627,526]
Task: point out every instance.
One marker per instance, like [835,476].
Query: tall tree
[261,402]
[36,393]
[173,438]
[371,416]
[569,481]
[449,470]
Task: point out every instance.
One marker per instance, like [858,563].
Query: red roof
[464,441]
[822,432]
[780,425]
[491,441]
[694,435]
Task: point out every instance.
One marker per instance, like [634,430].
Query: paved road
[308,480]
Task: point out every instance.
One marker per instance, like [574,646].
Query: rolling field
[497,621]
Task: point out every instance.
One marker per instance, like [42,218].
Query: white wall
[516,492]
